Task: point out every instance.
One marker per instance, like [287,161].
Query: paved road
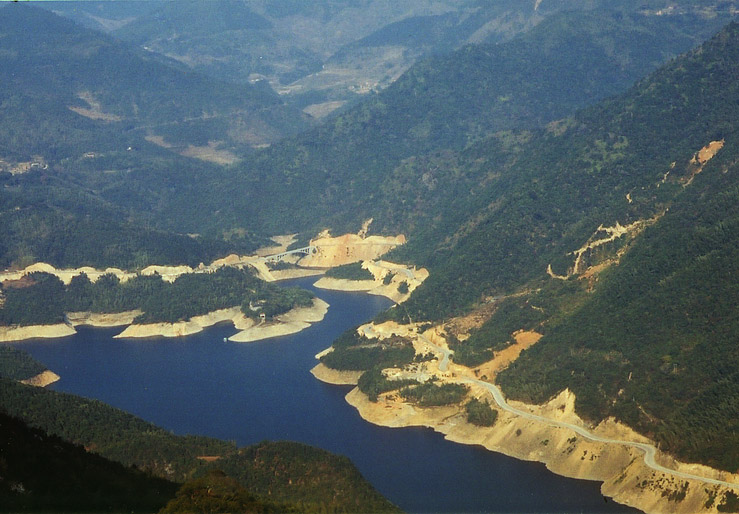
[649,450]
[444,362]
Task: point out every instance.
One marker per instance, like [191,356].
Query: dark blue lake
[249,392]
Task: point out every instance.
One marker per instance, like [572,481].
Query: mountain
[325,54]
[611,232]
[83,121]
[272,474]
[242,40]
[42,473]
[388,158]
[71,75]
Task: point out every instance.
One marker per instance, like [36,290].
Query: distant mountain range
[571,174]
[331,52]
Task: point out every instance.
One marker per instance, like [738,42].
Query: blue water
[249,392]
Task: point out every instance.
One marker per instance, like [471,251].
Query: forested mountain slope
[80,74]
[616,229]
[552,192]
[42,473]
[358,165]
[282,476]
[325,52]
[81,185]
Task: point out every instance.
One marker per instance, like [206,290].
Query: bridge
[306,250]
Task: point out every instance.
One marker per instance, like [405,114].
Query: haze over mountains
[323,54]
[557,168]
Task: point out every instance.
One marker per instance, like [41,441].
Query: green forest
[358,353]
[353,271]
[43,473]
[500,161]
[18,365]
[280,475]
[44,299]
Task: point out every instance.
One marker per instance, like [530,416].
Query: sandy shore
[14,334]
[622,469]
[291,322]
[335,377]
[43,379]
[380,270]
[194,325]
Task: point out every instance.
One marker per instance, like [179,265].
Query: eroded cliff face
[349,248]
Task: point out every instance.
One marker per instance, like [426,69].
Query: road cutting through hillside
[650,451]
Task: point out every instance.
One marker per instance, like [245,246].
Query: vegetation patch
[480,413]
[46,299]
[730,502]
[362,358]
[353,271]
[431,395]
[18,365]
[356,352]
[374,382]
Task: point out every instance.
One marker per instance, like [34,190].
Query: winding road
[444,362]
[650,451]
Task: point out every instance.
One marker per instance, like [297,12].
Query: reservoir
[249,392]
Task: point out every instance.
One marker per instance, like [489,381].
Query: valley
[536,202]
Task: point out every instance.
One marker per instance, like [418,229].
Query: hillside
[281,42]
[81,183]
[382,145]
[50,59]
[274,470]
[42,473]
[386,157]
[644,183]
[328,53]
[549,198]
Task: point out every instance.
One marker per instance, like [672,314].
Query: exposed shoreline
[291,322]
[14,334]
[622,469]
[380,270]
[43,379]
[192,326]
[335,377]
